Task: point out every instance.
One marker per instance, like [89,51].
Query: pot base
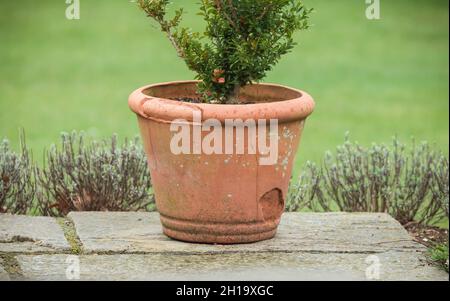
[218,233]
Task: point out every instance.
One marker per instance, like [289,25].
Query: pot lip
[168,110]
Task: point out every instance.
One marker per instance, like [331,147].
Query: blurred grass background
[375,79]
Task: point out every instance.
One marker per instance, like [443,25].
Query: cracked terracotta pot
[219,198]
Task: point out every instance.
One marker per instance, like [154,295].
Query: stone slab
[298,232]
[29,234]
[295,266]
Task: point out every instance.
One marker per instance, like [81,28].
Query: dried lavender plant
[17,185]
[357,179]
[99,176]
[411,186]
[303,192]
[440,189]
[411,193]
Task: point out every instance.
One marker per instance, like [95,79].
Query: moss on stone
[11,266]
[71,235]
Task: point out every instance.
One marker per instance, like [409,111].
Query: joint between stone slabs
[11,266]
[70,233]
[17,238]
[231,252]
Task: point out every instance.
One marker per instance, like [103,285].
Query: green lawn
[375,79]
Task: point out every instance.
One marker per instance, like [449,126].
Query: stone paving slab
[26,234]
[131,246]
[233,267]
[306,232]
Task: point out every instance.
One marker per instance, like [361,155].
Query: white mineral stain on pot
[285,163]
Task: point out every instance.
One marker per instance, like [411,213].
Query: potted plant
[221,148]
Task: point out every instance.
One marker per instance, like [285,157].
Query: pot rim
[167,110]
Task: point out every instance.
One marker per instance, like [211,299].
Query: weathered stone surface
[3,274]
[27,234]
[393,265]
[305,232]
[117,231]
[309,246]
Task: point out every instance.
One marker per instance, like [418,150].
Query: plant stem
[233,98]
[172,40]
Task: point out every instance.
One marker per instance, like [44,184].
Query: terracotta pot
[219,198]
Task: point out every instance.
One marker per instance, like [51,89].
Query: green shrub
[409,184]
[242,41]
[17,186]
[96,176]
[439,255]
